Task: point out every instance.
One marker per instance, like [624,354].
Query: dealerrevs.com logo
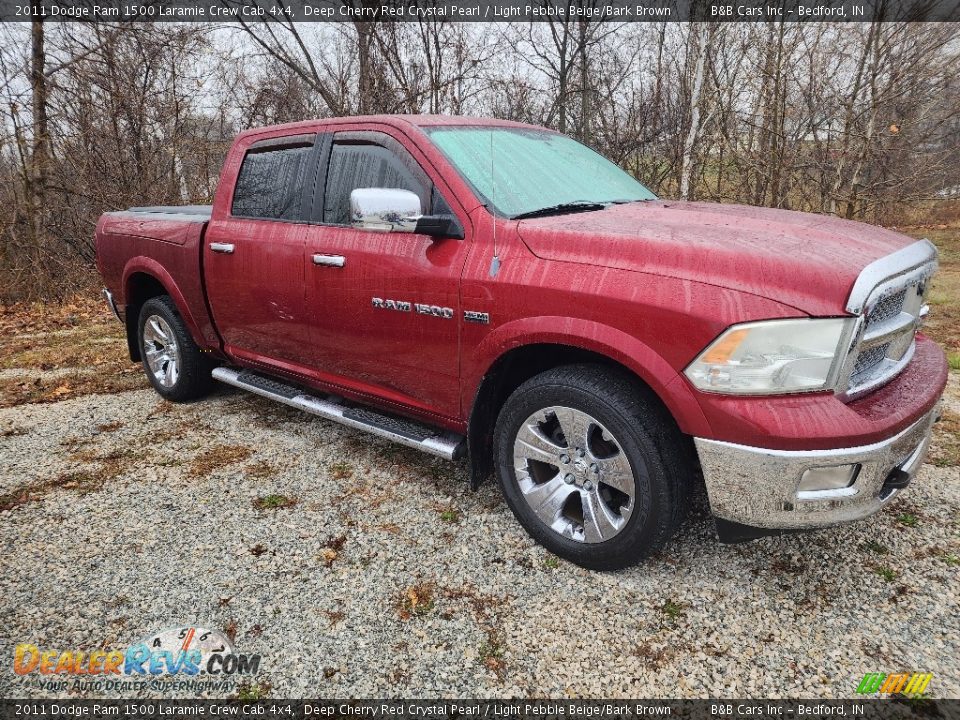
[187,651]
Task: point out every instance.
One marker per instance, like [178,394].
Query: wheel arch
[522,357]
[145,278]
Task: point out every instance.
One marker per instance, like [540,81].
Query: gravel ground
[388,577]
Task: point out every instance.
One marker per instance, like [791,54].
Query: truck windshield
[518,171]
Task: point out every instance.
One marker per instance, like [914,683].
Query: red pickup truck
[496,290]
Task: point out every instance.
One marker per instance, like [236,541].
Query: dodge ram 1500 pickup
[497,291]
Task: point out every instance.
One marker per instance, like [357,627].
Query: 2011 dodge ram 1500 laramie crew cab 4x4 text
[500,291]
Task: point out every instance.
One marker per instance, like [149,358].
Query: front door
[384,308]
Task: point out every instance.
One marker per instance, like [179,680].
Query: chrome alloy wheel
[574,474]
[161,350]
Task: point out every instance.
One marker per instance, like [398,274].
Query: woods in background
[858,120]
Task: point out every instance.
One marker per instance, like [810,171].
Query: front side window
[364,165]
[519,170]
[269,184]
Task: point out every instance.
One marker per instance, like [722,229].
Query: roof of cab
[395,120]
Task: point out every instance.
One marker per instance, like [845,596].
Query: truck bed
[165,243]
[202,212]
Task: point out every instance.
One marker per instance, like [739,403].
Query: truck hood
[809,262]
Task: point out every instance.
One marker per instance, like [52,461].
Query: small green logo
[910,684]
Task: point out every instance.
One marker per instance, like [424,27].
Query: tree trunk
[699,46]
[365,84]
[41,138]
[585,86]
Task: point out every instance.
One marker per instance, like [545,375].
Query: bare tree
[858,120]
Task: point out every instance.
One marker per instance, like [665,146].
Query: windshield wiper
[575,206]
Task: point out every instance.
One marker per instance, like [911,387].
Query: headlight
[772,356]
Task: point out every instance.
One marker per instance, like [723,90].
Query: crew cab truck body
[496,290]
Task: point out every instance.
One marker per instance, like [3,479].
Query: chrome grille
[886,308]
[869,358]
[890,295]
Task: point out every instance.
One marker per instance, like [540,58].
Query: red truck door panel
[254,258]
[383,308]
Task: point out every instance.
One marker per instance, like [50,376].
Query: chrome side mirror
[396,210]
[385,209]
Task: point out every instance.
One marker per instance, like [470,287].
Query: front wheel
[592,466]
[176,367]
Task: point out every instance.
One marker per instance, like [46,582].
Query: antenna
[495,260]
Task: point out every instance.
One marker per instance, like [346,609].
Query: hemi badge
[474,316]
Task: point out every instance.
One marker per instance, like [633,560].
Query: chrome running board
[435,441]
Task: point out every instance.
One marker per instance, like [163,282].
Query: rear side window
[363,165]
[270,183]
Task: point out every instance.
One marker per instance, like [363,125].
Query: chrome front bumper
[758,487]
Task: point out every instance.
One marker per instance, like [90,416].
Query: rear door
[254,255]
[384,307]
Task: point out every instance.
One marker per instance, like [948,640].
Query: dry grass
[79,337]
[652,656]
[93,344]
[217,457]
[21,319]
[259,470]
[82,481]
[101,467]
[371,494]
[17,391]
[945,448]
[481,605]
[943,324]
[341,471]
[416,600]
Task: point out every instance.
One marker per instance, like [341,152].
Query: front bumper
[758,487]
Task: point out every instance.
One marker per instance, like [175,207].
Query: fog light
[836,477]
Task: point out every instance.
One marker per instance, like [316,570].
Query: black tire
[191,379]
[640,428]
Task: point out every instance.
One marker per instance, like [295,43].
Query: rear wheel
[175,366]
[592,466]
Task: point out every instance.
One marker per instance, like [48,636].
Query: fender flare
[149,266]
[619,346]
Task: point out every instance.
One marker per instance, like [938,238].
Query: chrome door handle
[329,260]
[225,248]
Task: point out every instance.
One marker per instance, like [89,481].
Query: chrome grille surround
[889,298]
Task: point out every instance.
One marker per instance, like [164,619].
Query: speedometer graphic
[184,639]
